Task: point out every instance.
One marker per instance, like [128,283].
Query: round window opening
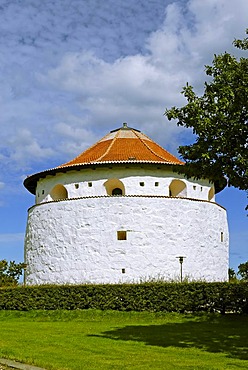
[117,191]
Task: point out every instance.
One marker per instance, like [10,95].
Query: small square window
[194,187]
[43,191]
[76,186]
[123,271]
[89,184]
[142,183]
[121,235]
[156,183]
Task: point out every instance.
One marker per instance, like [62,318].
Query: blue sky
[72,70]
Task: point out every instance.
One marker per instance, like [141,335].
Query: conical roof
[123,145]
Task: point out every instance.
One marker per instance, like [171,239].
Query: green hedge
[167,297]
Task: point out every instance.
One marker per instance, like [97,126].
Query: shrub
[167,297]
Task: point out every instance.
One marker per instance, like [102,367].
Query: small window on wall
[121,235]
[221,236]
[156,183]
[114,187]
[76,186]
[90,184]
[142,183]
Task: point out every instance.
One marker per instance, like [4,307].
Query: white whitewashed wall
[75,241]
[77,183]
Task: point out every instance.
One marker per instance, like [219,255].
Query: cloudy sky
[72,70]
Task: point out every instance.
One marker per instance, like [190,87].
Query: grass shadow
[212,333]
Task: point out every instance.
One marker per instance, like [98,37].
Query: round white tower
[119,212]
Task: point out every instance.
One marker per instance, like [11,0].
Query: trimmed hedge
[167,297]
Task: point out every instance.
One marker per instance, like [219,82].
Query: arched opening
[211,194]
[177,189]
[59,192]
[114,187]
[116,191]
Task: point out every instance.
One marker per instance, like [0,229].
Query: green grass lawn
[124,340]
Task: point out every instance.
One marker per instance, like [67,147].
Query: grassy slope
[93,340]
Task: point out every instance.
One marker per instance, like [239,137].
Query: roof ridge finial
[124,125]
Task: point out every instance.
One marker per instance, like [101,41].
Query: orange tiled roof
[124,145]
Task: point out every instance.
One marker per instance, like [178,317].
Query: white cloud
[137,88]
[24,146]
[73,139]
[10,238]
[68,83]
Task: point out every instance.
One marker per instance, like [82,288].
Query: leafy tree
[243,271]
[10,272]
[232,274]
[219,118]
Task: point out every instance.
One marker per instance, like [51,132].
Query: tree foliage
[10,272]
[232,274]
[219,119]
[243,271]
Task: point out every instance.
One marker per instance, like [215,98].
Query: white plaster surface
[75,241]
[129,176]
